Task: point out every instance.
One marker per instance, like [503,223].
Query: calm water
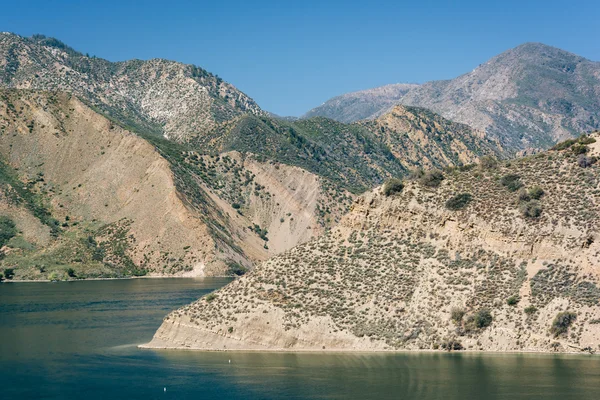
[78,340]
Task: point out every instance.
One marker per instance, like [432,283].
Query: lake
[78,340]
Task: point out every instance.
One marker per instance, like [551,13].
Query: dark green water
[78,340]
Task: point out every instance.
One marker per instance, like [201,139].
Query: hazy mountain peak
[529,96]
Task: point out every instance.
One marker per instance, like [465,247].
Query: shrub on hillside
[235,269]
[392,186]
[9,273]
[415,174]
[529,310]
[562,322]
[488,162]
[8,230]
[432,178]
[524,195]
[452,344]
[210,297]
[512,182]
[459,201]
[483,318]
[581,140]
[512,300]
[536,192]
[531,209]
[579,148]
[457,314]
[564,144]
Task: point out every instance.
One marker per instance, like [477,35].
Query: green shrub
[71,273]
[536,192]
[237,206]
[524,195]
[8,230]
[452,344]
[488,162]
[580,141]
[236,269]
[210,297]
[432,178]
[512,300]
[392,186]
[512,182]
[530,310]
[564,144]
[579,149]
[531,209]
[562,322]
[483,318]
[457,314]
[9,273]
[459,201]
[585,139]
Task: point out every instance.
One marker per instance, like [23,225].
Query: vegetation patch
[531,209]
[432,178]
[8,230]
[392,186]
[512,182]
[459,201]
[562,322]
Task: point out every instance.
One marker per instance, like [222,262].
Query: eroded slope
[414,270]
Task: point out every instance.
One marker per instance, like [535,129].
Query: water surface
[78,340]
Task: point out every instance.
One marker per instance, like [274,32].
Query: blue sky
[292,56]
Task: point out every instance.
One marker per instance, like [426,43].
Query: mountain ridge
[530,96]
[495,257]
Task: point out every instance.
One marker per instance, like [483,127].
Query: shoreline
[145,346]
[110,279]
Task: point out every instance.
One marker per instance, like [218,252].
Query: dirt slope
[112,192]
[413,270]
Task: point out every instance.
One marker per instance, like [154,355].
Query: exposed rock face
[181,101]
[468,264]
[129,207]
[421,138]
[529,96]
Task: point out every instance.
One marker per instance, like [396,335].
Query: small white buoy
[165,389]
[229,361]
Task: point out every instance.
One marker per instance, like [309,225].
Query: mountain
[90,197]
[177,100]
[529,96]
[236,185]
[364,104]
[497,257]
[420,138]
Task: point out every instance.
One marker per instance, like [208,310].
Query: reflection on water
[73,340]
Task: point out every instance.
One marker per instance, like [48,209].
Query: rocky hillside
[530,96]
[420,138]
[237,185]
[361,155]
[178,100]
[495,256]
[83,197]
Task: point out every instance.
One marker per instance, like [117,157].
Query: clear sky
[292,56]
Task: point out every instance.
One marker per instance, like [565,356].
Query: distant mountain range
[529,96]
